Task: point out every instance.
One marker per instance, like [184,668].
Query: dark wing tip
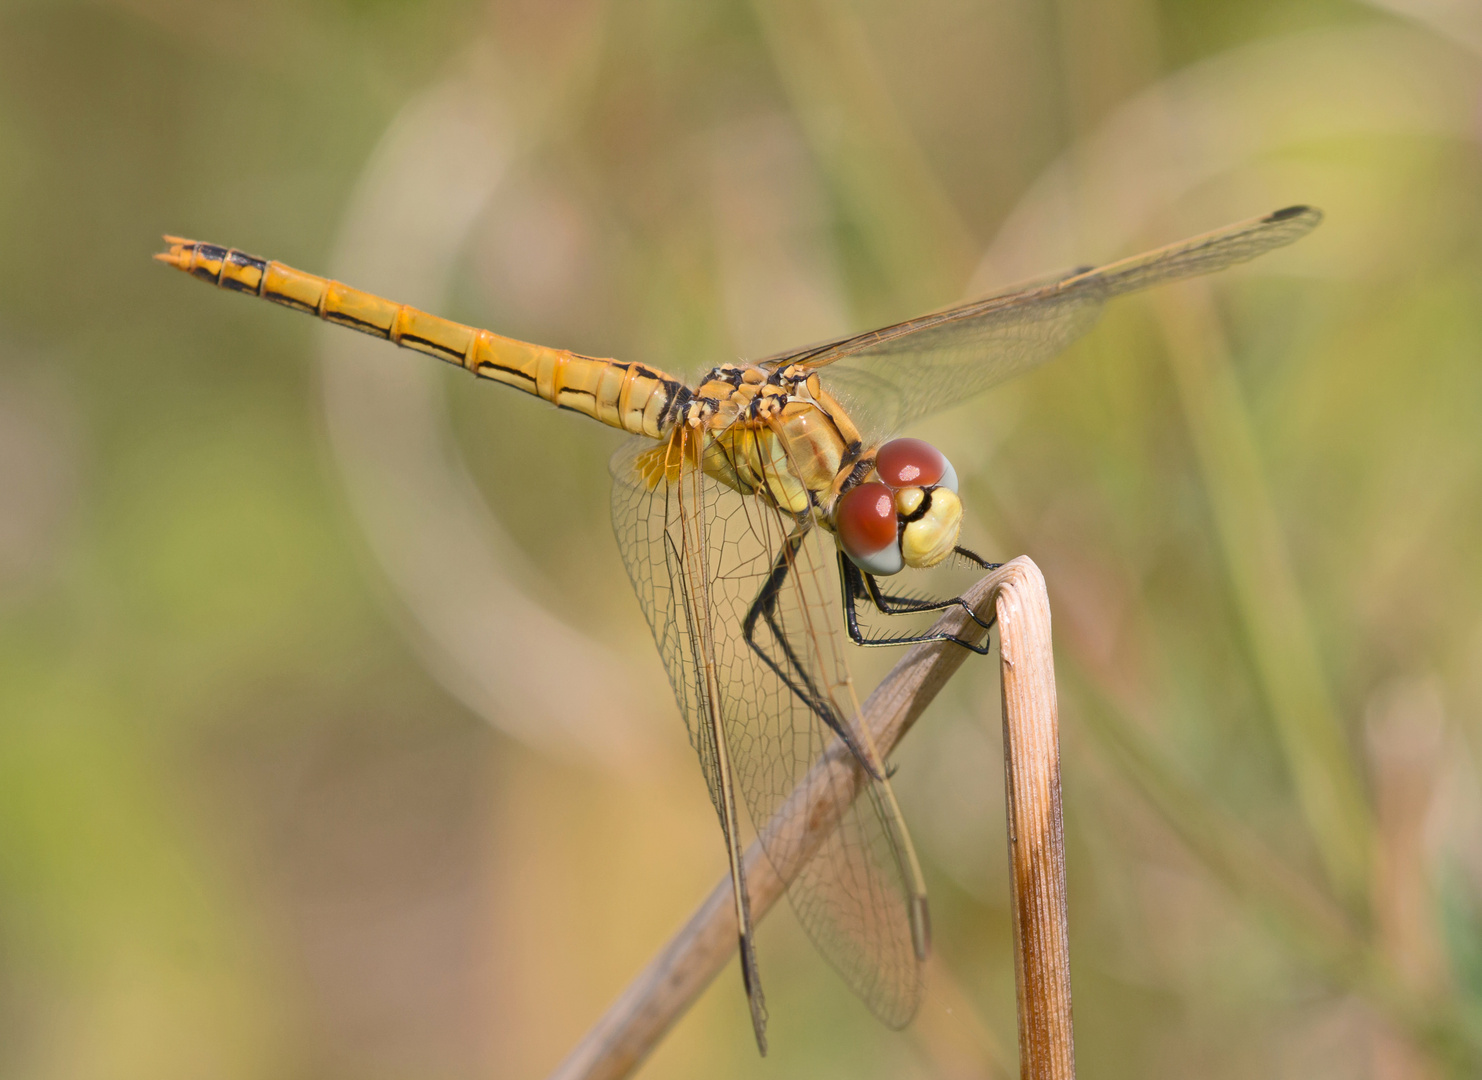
[1286,213]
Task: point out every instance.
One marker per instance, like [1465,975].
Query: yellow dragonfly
[741,499]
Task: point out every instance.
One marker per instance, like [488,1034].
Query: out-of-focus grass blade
[921,246]
[1266,594]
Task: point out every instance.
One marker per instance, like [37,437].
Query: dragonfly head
[910,516]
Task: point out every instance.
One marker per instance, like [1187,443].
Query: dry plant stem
[1031,751]
[660,994]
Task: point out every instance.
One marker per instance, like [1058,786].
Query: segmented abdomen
[633,397]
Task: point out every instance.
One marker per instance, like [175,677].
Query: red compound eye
[910,463]
[865,519]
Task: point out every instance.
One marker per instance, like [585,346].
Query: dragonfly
[756,506]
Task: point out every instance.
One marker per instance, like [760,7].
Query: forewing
[851,893]
[900,373]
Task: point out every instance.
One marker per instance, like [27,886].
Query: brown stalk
[661,993]
[1031,759]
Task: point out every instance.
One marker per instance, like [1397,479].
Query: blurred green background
[332,741]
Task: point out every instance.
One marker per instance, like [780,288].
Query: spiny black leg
[765,606]
[851,579]
[911,605]
[977,560]
[857,585]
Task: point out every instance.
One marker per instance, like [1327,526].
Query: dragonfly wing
[893,382]
[658,515]
[903,372]
[854,888]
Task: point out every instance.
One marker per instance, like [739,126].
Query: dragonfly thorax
[777,434]
[747,393]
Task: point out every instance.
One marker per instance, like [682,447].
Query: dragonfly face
[723,500]
[909,516]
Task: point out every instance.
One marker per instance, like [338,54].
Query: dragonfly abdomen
[636,398]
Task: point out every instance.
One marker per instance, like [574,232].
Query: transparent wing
[853,894]
[891,376]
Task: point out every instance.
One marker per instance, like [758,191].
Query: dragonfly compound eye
[866,524]
[904,463]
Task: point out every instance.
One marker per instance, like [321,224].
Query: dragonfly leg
[912,605]
[977,560]
[764,607]
[857,585]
